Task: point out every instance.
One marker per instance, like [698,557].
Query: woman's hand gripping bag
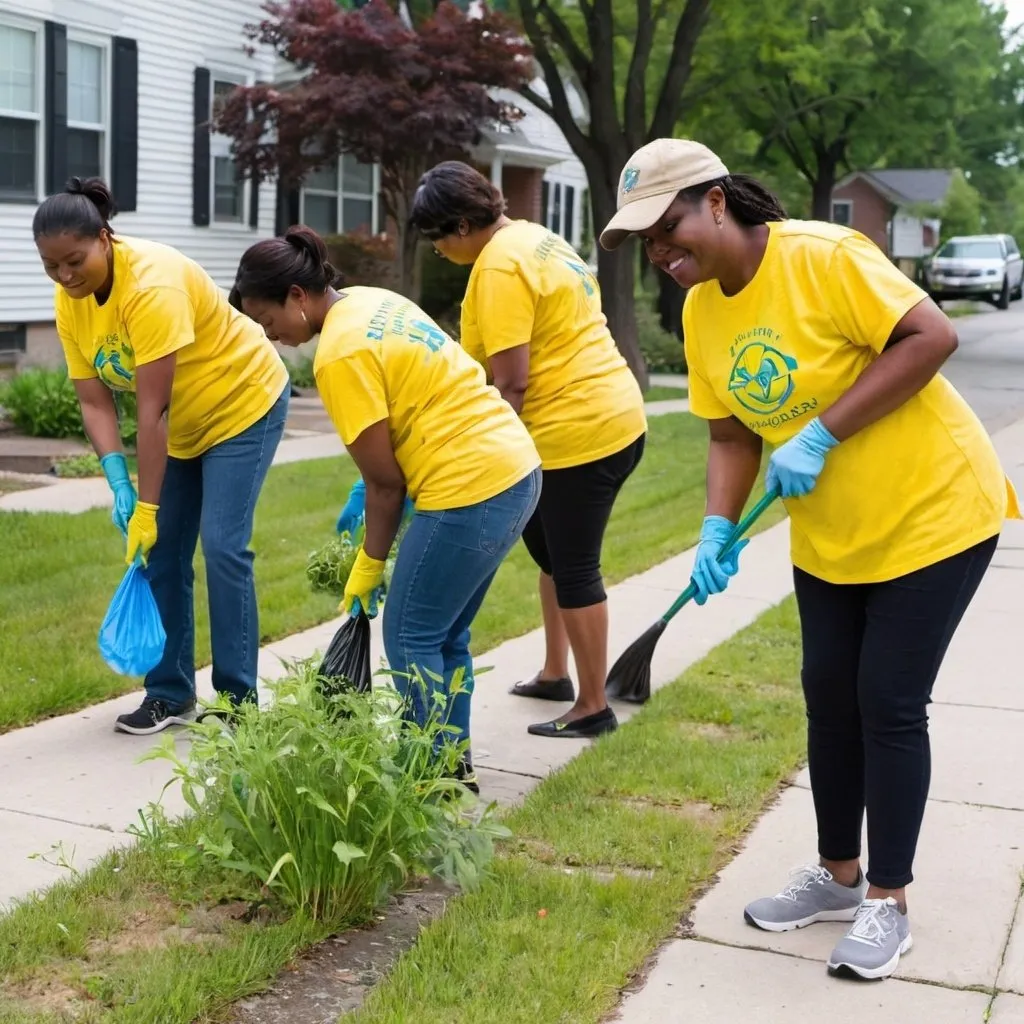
[132,636]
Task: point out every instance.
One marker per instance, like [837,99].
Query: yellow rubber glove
[362,591]
[141,532]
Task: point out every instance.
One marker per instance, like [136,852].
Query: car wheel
[1018,293]
[1003,301]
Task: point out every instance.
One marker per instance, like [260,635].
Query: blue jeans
[212,496]
[445,565]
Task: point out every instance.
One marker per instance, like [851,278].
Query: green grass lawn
[59,571]
[613,849]
[659,393]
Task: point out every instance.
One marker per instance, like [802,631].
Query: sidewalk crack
[63,821]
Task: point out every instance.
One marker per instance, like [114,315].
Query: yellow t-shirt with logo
[917,486]
[457,441]
[227,374]
[529,286]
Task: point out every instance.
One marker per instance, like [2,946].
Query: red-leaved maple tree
[373,86]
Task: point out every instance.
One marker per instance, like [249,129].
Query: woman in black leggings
[805,335]
[532,316]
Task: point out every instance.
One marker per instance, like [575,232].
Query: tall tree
[376,87]
[615,53]
[832,84]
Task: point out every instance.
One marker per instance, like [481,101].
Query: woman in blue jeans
[420,422]
[212,396]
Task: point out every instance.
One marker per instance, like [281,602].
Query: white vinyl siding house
[120,89]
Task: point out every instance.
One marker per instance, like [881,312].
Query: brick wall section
[522,188]
[871,212]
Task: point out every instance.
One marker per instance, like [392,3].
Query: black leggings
[871,655]
[565,534]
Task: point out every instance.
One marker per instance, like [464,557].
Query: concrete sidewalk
[74,780]
[75,496]
[966,913]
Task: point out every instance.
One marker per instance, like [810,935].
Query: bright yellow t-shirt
[529,286]
[457,441]
[917,486]
[227,374]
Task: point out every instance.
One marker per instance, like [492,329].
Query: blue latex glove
[795,465]
[115,469]
[355,508]
[711,576]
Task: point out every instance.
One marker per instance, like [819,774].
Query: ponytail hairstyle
[749,202]
[83,209]
[270,269]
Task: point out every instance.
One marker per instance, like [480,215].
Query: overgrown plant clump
[328,568]
[322,805]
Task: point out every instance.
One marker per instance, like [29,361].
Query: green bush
[42,403]
[662,351]
[77,466]
[443,286]
[321,805]
[300,371]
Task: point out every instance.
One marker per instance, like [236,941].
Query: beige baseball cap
[653,176]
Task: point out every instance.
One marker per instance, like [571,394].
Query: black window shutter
[201,150]
[56,106]
[287,208]
[124,127]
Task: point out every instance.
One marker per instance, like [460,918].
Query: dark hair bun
[308,242]
[96,191]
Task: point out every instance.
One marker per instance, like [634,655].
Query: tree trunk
[616,276]
[821,190]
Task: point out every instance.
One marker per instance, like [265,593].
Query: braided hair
[749,201]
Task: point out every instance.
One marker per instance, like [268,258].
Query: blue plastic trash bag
[132,636]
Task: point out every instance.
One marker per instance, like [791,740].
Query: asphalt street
[988,367]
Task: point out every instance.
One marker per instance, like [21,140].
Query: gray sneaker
[812,895]
[873,946]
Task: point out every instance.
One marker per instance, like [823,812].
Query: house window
[842,212]
[228,186]
[20,112]
[341,198]
[87,110]
[558,209]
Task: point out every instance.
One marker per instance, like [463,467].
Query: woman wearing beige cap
[805,335]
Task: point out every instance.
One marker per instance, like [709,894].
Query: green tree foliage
[830,85]
[962,211]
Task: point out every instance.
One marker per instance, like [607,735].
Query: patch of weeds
[77,466]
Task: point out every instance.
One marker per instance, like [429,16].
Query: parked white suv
[986,267]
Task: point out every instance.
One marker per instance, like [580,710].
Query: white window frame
[848,203]
[35,27]
[104,127]
[572,236]
[341,194]
[220,148]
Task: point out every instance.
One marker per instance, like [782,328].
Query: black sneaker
[155,715]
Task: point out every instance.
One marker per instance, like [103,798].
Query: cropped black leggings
[565,534]
[871,653]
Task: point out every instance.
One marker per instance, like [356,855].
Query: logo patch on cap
[630,179]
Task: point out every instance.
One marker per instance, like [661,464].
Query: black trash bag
[346,665]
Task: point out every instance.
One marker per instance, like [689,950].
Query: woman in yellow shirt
[212,394]
[418,419]
[806,336]
[532,316]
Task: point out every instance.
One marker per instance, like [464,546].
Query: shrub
[324,804]
[364,259]
[77,466]
[443,286]
[42,403]
[662,351]
[300,371]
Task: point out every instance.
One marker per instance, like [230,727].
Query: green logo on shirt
[762,378]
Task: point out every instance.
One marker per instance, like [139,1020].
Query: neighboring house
[892,208]
[123,89]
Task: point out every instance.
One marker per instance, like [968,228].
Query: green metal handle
[731,541]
